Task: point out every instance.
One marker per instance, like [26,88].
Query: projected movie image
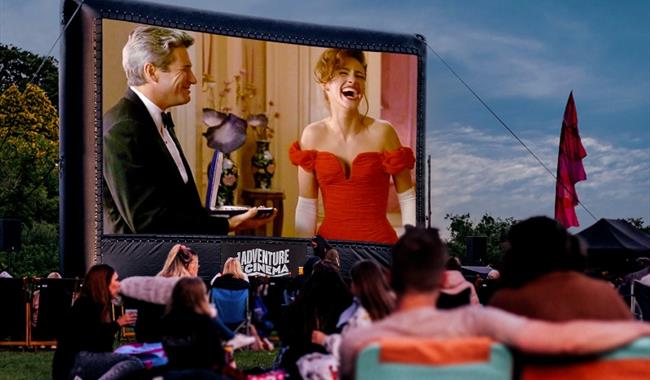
[195,135]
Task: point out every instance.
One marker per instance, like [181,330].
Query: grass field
[25,365]
[29,365]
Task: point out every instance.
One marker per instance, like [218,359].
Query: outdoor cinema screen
[246,95]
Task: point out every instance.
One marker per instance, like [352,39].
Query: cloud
[617,173]
[499,64]
[478,172]
[513,66]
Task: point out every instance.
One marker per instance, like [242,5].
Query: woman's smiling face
[348,85]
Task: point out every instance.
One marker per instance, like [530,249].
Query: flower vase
[263,165]
[228,184]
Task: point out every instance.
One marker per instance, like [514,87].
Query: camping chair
[450,301]
[440,359]
[640,301]
[14,320]
[630,362]
[147,327]
[232,308]
[54,302]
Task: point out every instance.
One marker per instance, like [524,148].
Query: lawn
[35,365]
[25,365]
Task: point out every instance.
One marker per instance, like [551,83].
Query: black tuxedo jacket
[143,191]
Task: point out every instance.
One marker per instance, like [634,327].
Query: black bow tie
[167,120]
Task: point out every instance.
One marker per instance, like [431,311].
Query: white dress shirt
[155,113]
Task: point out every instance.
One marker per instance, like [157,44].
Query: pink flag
[569,167]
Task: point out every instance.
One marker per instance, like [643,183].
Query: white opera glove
[407,206]
[306,213]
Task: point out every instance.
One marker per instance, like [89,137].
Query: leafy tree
[17,67]
[28,156]
[639,223]
[28,176]
[39,254]
[461,227]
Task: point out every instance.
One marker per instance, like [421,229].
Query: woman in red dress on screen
[350,157]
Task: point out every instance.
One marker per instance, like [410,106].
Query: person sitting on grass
[543,279]
[455,289]
[419,257]
[333,257]
[234,278]
[190,336]
[85,347]
[373,300]
[181,262]
[317,307]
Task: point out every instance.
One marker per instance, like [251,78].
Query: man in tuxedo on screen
[148,185]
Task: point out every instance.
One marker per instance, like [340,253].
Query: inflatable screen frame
[84,87]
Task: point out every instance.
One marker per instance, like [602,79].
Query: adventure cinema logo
[260,262]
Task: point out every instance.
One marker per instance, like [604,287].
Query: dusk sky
[522,57]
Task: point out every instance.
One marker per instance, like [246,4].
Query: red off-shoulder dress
[355,207]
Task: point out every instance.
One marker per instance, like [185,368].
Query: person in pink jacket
[454,289]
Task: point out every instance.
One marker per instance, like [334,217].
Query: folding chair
[15,319]
[449,301]
[54,302]
[232,307]
[440,359]
[630,362]
[148,327]
[640,301]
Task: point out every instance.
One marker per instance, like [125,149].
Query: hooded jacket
[453,283]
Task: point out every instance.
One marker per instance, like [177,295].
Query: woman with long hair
[373,300]
[371,289]
[232,277]
[181,261]
[85,347]
[350,158]
[191,337]
[317,307]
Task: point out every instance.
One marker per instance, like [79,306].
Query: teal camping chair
[440,359]
[630,362]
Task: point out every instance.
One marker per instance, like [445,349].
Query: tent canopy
[616,235]
[469,270]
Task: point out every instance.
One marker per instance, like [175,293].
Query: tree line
[29,150]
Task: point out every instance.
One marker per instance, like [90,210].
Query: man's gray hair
[150,44]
